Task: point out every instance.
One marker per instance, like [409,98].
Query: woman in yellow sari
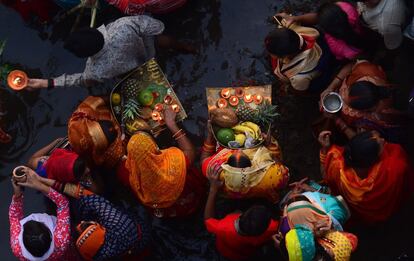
[164,181]
[253,173]
[94,134]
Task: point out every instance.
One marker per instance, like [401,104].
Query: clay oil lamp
[19,172]
[233,100]
[258,99]
[17,80]
[168,99]
[176,108]
[159,107]
[248,98]
[156,116]
[239,92]
[222,103]
[225,93]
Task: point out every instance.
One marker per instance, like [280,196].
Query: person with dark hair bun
[238,235]
[340,23]
[299,56]
[39,236]
[372,175]
[367,101]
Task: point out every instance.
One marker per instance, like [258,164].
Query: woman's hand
[33,181]
[17,190]
[321,227]
[169,117]
[289,19]
[325,139]
[214,179]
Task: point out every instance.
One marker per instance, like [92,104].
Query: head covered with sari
[61,166]
[300,244]
[89,139]
[156,176]
[339,245]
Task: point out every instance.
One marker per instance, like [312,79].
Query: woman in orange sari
[372,175]
[368,100]
[94,134]
[164,181]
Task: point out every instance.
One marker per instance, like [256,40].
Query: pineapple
[132,110]
[265,114]
[246,113]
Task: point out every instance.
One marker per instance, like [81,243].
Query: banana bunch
[249,128]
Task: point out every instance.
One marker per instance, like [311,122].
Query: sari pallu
[375,198]
[87,138]
[264,179]
[163,180]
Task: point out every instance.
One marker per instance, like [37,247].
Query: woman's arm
[209,146]
[337,81]
[15,215]
[32,163]
[61,234]
[305,19]
[215,185]
[179,135]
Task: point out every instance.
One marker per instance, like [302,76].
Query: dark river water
[229,36]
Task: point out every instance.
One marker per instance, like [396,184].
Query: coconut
[224,117]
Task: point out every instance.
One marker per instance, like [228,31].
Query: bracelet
[209,145]
[322,157]
[50,84]
[180,136]
[339,78]
[58,186]
[177,133]
[209,150]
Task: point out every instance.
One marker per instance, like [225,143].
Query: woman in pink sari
[135,7]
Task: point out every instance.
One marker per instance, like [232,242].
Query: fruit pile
[242,127]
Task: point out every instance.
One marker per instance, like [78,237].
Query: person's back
[239,236]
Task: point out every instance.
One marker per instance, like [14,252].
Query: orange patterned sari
[379,195]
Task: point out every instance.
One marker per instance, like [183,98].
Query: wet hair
[85,42]
[334,21]
[364,94]
[36,238]
[239,160]
[79,167]
[362,151]
[282,42]
[109,130]
[255,220]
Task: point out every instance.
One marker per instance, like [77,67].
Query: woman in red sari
[165,181]
[372,175]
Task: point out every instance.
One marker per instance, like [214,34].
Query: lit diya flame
[175,107]
[248,98]
[159,107]
[233,100]
[156,116]
[258,99]
[222,103]
[17,80]
[225,93]
[239,92]
[168,99]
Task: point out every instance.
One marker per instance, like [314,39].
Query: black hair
[109,130]
[333,20]
[239,160]
[362,151]
[85,42]
[79,168]
[36,238]
[255,220]
[364,94]
[282,42]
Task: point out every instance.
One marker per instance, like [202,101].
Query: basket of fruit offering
[139,100]
[240,116]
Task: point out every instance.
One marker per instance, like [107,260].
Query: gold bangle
[177,133]
[181,136]
[209,145]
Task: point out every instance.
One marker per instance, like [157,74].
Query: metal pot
[332,102]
